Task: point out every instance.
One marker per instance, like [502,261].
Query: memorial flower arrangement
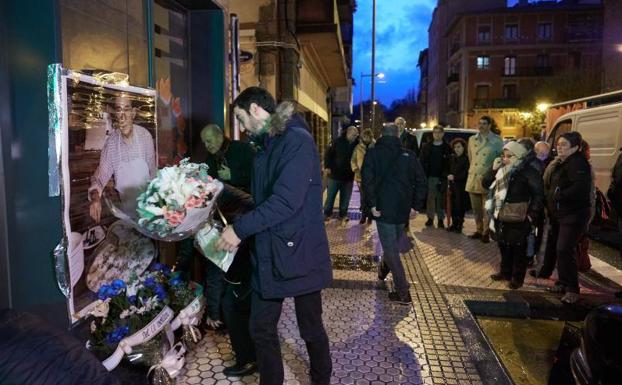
[125,308]
[178,200]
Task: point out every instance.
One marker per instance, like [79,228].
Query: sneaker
[402,300]
[429,223]
[440,225]
[475,235]
[240,370]
[499,277]
[485,238]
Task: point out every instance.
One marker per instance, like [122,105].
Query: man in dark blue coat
[290,256]
[395,188]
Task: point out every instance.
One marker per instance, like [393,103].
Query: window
[483,33]
[509,65]
[482,91]
[545,31]
[483,62]
[509,91]
[511,32]
[542,61]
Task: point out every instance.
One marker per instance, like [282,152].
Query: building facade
[444,14]
[612,45]
[504,61]
[199,54]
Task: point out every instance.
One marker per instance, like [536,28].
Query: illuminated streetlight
[543,106]
[422,125]
[379,75]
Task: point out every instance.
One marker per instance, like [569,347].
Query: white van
[601,128]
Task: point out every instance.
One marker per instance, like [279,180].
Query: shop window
[483,62]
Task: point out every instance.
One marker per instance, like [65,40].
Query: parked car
[599,359]
[424,135]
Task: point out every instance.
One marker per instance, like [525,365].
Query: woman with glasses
[515,201]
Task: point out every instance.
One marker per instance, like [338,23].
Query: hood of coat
[278,120]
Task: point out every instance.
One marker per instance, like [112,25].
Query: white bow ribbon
[173,361]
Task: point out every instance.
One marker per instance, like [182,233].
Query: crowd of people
[520,193]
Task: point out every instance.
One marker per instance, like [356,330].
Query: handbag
[513,212]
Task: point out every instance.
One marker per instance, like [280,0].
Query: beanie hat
[515,148]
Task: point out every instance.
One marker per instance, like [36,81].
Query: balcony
[318,29]
[496,103]
[530,72]
[453,78]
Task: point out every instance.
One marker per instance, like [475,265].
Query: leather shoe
[475,236]
[485,238]
[240,371]
[499,277]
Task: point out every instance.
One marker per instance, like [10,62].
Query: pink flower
[174,218]
[193,202]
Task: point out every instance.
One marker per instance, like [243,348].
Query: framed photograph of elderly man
[108,150]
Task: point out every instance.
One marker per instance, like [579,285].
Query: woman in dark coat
[458,173]
[567,181]
[515,187]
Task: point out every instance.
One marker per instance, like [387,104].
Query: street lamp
[379,75]
[542,107]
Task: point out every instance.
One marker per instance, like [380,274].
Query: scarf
[499,190]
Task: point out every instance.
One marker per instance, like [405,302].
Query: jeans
[237,312]
[389,235]
[435,202]
[344,188]
[265,314]
[479,211]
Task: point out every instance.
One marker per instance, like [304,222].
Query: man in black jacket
[340,175]
[435,157]
[231,161]
[395,188]
[409,141]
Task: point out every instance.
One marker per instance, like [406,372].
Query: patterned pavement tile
[374,341]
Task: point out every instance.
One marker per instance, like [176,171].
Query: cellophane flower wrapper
[175,204]
[205,241]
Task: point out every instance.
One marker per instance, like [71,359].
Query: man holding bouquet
[290,255]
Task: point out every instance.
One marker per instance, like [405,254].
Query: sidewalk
[373,341]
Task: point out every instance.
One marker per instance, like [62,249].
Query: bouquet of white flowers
[175,204]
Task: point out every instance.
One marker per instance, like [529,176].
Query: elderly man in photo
[290,255]
[128,155]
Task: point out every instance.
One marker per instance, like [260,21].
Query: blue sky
[401,32]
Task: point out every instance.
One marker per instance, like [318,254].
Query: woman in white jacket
[366,141]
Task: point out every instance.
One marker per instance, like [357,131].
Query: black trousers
[265,314]
[237,313]
[459,202]
[514,260]
[561,250]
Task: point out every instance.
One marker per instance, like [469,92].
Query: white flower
[124,314]
[93,327]
[101,309]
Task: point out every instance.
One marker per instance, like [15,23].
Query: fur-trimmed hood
[278,120]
